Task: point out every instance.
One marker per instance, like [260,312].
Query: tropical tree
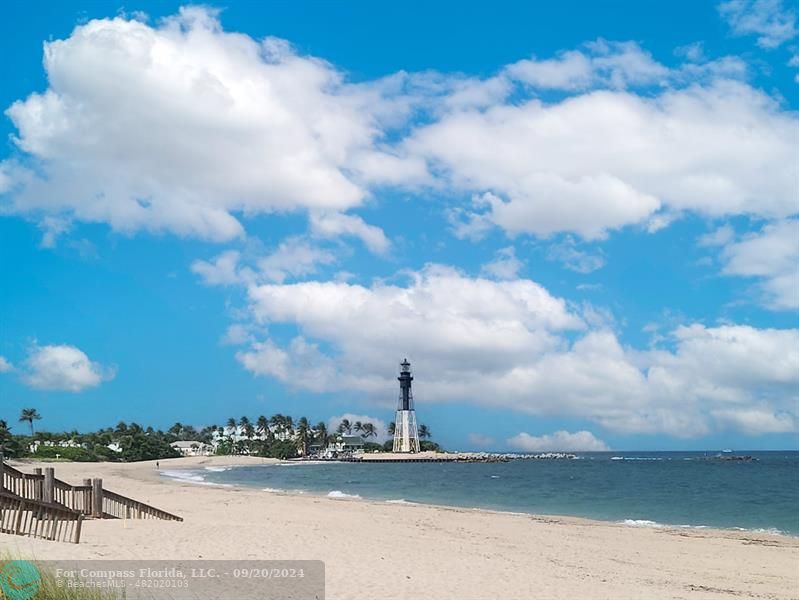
[368,430]
[30,415]
[358,426]
[392,427]
[424,432]
[262,426]
[345,426]
[7,443]
[303,435]
[176,429]
[232,425]
[320,433]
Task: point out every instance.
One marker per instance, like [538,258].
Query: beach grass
[22,579]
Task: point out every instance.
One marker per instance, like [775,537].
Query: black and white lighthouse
[406,435]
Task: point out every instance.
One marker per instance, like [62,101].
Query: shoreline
[414,548]
[340,496]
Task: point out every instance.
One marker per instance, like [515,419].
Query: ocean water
[639,489]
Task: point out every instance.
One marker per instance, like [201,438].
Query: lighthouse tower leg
[406,434]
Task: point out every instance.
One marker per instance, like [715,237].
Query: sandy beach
[378,549]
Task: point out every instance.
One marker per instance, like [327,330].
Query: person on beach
[157,466]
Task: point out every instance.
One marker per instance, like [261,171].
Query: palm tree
[6,441]
[345,426]
[232,424]
[358,426]
[368,430]
[303,435]
[424,432]
[392,427]
[320,434]
[262,426]
[30,415]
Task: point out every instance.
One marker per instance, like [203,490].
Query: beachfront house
[338,445]
[193,448]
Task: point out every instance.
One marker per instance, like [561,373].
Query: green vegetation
[278,436]
[32,580]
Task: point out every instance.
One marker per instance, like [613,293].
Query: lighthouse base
[406,434]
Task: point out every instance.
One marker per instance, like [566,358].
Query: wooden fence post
[97,498]
[78,526]
[2,473]
[48,493]
[18,523]
[38,485]
[87,497]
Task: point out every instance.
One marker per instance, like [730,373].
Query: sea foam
[340,494]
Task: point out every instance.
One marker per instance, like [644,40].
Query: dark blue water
[669,488]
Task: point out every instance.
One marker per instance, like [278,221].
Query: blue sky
[578,221]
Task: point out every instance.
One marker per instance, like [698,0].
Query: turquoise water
[649,489]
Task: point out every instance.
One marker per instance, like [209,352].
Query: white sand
[377,549]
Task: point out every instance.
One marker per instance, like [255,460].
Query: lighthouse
[406,435]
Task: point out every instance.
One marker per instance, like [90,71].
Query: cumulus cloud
[180,127]
[560,441]
[337,224]
[294,257]
[603,63]
[757,420]
[770,20]
[772,256]
[504,266]
[222,270]
[186,128]
[63,367]
[5,365]
[511,344]
[605,159]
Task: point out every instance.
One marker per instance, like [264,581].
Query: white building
[193,448]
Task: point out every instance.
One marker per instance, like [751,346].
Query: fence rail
[33,518]
[89,499]
[122,507]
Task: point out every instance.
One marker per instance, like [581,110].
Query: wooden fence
[20,516]
[89,499]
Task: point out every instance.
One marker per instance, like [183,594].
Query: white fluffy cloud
[604,63]
[336,224]
[183,127]
[770,20]
[605,159]
[63,367]
[504,266]
[293,258]
[180,126]
[511,344]
[772,256]
[560,441]
[5,365]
